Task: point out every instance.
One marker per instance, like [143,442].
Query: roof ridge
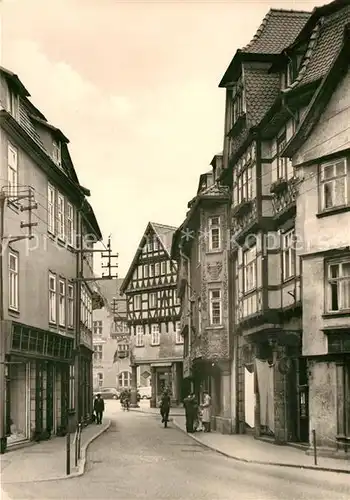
[308,12]
[163,225]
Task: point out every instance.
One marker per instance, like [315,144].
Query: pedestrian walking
[191,408]
[165,404]
[206,411]
[99,408]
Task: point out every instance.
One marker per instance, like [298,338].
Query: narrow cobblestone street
[138,458]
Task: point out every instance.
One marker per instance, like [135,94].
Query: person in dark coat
[165,403]
[191,410]
[99,408]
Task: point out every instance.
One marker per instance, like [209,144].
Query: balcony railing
[284,195]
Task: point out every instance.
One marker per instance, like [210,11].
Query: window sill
[52,324]
[336,314]
[13,311]
[286,281]
[155,345]
[143,345]
[214,327]
[333,211]
[216,251]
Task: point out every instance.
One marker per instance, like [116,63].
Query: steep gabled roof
[164,235]
[325,41]
[339,67]
[278,30]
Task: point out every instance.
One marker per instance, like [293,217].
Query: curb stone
[260,462]
[81,465]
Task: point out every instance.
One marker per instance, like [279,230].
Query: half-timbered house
[153,312]
[259,122]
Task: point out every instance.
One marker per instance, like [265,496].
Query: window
[52,298]
[13,282]
[179,338]
[139,336]
[98,328]
[98,351]
[12,171]
[51,208]
[124,379]
[284,165]
[157,269]
[163,267]
[151,270]
[333,184]
[338,279]
[155,335]
[244,185]
[60,216]
[145,271]
[70,311]
[238,108]
[137,302]
[70,224]
[215,307]
[153,300]
[62,303]
[56,153]
[249,269]
[214,233]
[100,379]
[71,387]
[288,255]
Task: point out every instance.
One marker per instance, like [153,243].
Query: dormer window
[56,153]
[12,103]
[238,105]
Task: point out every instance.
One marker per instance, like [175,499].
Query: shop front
[18,402]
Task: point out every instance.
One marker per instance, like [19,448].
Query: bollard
[79,441]
[314,444]
[68,454]
[76,447]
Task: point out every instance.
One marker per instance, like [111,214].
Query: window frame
[250,265]
[61,216]
[155,334]
[53,297]
[179,340]
[323,181]
[214,227]
[122,378]
[12,171]
[62,302]
[153,295]
[288,255]
[51,209]
[137,301]
[139,334]
[57,153]
[340,279]
[70,224]
[213,300]
[13,278]
[98,353]
[70,305]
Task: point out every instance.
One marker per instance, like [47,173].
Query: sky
[134,86]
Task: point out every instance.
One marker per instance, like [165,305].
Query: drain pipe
[189,313]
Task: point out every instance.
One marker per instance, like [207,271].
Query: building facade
[153,312]
[202,250]
[46,326]
[111,367]
[287,171]
[319,151]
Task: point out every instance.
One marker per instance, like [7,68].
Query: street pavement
[138,458]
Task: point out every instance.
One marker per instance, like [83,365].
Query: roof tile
[278,30]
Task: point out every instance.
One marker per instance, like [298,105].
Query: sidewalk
[245,448]
[46,461]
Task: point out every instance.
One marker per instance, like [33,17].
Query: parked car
[145,392]
[107,393]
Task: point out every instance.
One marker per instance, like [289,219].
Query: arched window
[124,379]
